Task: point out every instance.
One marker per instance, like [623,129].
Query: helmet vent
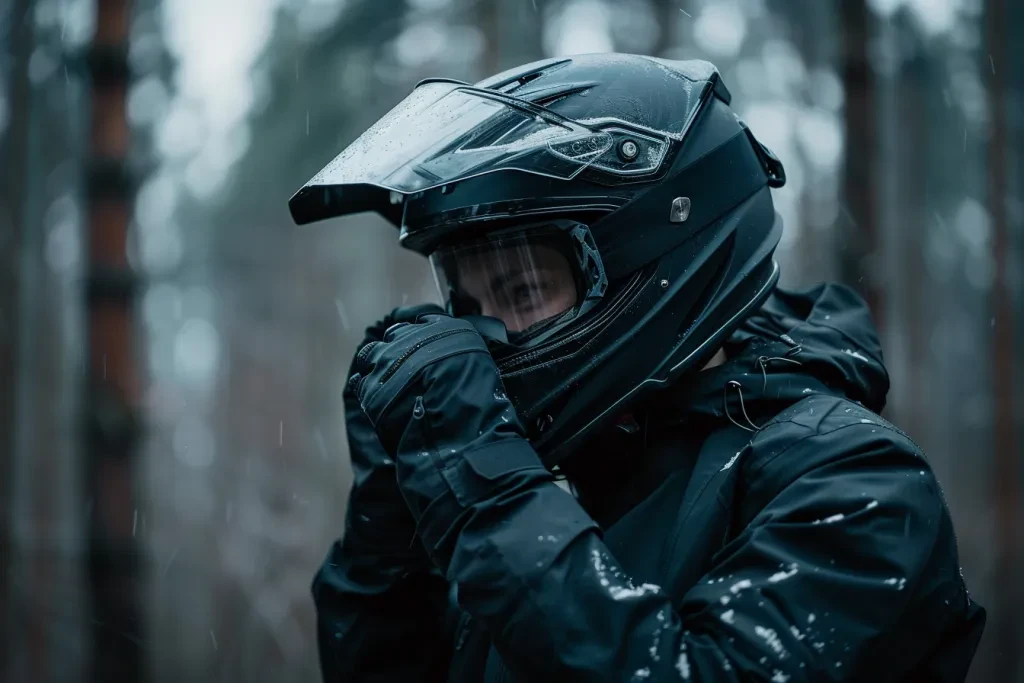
[514,82]
[520,82]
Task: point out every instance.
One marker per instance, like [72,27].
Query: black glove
[435,398]
[378,545]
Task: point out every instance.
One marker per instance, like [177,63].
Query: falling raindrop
[321,446]
[342,314]
[169,561]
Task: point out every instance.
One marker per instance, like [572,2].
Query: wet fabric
[759,522]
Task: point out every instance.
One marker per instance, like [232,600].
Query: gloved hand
[435,398]
[378,545]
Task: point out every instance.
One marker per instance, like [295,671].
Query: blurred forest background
[172,456]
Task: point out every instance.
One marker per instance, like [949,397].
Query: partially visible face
[521,285]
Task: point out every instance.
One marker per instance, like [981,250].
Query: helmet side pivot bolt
[629,150]
[680,210]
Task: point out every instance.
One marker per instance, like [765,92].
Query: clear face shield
[533,279]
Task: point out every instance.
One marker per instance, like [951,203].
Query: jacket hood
[799,343]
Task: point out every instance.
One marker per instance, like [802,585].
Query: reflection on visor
[518,281]
[443,132]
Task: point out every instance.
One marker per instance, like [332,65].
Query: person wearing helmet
[619,452]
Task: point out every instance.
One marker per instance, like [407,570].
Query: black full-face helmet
[604,220]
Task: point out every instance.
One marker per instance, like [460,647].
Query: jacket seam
[917,449]
[775,421]
[821,323]
[853,342]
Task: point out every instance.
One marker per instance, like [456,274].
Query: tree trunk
[13,153]
[859,198]
[1005,621]
[112,381]
[489,20]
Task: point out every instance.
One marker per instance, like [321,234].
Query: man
[619,453]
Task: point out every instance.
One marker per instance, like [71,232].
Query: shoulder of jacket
[827,441]
[818,430]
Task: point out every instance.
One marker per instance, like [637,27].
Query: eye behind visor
[522,277]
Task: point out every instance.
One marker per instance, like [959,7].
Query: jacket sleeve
[373,625]
[381,604]
[835,566]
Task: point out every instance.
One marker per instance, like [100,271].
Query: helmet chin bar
[713,336]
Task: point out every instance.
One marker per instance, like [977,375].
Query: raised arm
[380,601]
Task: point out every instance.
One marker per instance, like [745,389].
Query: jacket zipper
[390,372]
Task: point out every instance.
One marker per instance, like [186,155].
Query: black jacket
[760,523]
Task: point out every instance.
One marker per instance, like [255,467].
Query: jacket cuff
[491,484]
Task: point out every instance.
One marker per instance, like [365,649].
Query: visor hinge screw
[680,210]
[664,284]
[629,150]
